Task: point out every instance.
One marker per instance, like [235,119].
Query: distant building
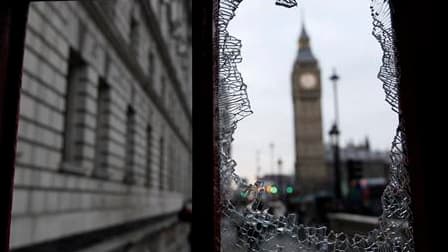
[310,172]
[104,151]
[360,162]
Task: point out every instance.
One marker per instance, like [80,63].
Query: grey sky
[340,33]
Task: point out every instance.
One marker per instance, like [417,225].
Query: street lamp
[334,139]
[334,78]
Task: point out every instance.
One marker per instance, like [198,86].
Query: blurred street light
[289,189]
[334,139]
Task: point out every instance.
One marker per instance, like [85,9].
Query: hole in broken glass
[255,227]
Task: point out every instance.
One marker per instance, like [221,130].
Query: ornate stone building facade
[310,171]
[105,133]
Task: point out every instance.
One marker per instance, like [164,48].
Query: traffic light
[289,189]
[267,189]
[274,189]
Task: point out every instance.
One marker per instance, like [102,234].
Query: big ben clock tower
[310,172]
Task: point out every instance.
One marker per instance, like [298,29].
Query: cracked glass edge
[259,230]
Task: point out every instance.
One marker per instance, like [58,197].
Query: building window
[151,66]
[170,17]
[148,182]
[109,6]
[172,173]
[162,164]
[161,3]
[134,34]
[74,153]
[162,88]
[130,146]
[102,129]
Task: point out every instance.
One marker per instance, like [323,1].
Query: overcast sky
[341,37]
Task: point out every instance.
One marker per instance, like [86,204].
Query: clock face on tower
[308,81]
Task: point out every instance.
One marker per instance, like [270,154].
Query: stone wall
[55,197]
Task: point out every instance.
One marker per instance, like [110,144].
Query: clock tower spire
[310,172]
[305,54]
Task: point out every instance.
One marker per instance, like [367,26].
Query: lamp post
[334,78]
[280,178]
[271,146]
[334,139]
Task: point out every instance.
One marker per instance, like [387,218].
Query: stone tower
[310,172]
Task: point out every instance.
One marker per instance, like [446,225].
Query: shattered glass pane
[258,229]
[286,3]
